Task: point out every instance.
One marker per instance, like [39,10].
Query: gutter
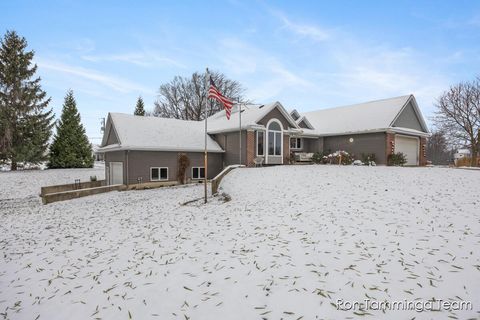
[388,130]
[124,148]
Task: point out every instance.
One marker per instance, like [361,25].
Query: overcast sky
[307,55]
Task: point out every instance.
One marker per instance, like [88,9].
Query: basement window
[158,174]
[198,173]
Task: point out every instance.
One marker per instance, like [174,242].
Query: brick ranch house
[146,149]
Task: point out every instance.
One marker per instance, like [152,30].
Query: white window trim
[159,175]
[198,172]
[296,144]
[266,139]
[256,145]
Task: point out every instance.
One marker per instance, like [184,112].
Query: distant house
[146,149]
[461,153]
[98,156]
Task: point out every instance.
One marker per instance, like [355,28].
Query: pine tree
[140,107]
[70,147]
[25,124]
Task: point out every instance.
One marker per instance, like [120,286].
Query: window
[158,174]
[295,143]
[274,139]
[198,172]
[274,126]
[260,142]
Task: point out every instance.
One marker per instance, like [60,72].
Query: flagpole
[205,159]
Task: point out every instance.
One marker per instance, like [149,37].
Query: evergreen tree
[140,107]
[25,124]
[70,147]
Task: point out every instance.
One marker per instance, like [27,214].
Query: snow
[368,116]
[251,115]
[160,134]
[292,240]
[22,185]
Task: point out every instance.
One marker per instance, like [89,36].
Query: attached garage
[409,146]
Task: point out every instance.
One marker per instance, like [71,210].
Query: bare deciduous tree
[458,115]
[438,149]
[184,98]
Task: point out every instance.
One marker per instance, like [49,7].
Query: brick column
[422,159]
[389,145]
[286,149]
[250,148]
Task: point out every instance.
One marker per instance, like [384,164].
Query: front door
[116,173]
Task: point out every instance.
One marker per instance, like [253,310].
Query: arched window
[275,126]
[274,138]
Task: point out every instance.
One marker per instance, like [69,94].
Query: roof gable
[279,113]
[251,115]
[410,117]
[304,123]
[295,115]
[109,135]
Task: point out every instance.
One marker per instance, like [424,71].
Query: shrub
[183,164]
[396,159]
[317,157]
[339,157]
[368,158]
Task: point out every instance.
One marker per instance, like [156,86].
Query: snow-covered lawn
[27,184]
[292,241]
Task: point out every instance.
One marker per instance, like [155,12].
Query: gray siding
[214,163]
[302,124]
[362,143]
[112,137]
[408,119]
[140,162]
[275,113]
[312,145]
[230,143]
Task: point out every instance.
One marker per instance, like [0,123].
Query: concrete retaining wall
[216,181]
[72,194]
[72,186]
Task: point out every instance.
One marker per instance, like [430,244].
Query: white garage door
[116,172]
[409,147]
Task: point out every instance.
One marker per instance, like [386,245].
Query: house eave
[164,149]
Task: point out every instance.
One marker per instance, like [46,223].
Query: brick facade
[286,149]
[389,145]
[250,148]
[422,159]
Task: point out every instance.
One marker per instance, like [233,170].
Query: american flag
[215,94]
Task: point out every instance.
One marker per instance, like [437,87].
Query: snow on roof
[361,117]
[160,134]
[251,114]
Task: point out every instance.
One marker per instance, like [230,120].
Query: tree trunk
[473,159]
[13,166]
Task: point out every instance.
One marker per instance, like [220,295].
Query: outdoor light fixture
[351,140]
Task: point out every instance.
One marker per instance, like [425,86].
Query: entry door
[116,172]
[409,146]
